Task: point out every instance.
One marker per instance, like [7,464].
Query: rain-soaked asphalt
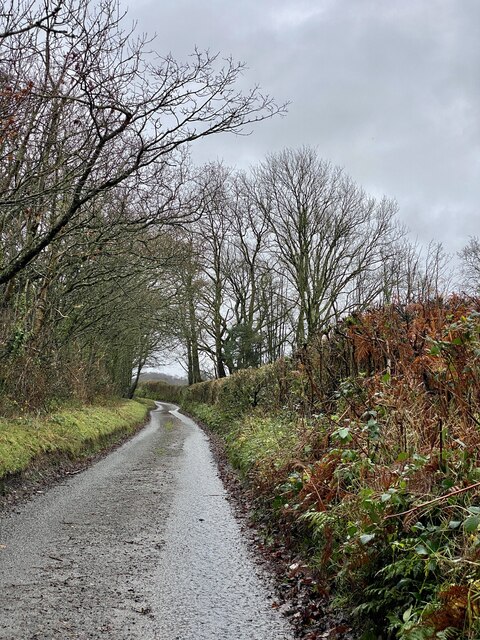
[141,546]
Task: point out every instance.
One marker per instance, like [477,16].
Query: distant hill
[164,377]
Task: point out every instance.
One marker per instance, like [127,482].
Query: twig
[426,504]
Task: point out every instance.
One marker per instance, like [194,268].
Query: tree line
[113,246]
[94,133]
[284,251]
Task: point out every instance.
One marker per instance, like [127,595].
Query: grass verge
[73,432]
[363,451]
[396,544]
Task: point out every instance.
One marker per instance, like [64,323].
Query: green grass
[73,432]
[258,441]
[253,440]
[213,416]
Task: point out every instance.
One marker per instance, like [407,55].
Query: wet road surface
[141,546]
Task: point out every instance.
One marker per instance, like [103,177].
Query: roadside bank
[37,450]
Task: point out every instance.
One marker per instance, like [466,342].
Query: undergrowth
[364,450]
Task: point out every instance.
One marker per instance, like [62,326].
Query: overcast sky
[388,89]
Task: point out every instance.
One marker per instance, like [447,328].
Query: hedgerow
[364,449]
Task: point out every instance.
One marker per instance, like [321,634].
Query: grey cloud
[387,89]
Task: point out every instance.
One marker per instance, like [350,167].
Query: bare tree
[246,271]
[19,17]
[470,256]
[415,273]
[85,111]
[329,236]
[212,237]
[190,283]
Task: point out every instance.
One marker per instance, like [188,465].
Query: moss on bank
[74,432]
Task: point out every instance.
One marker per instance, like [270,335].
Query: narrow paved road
[141,546]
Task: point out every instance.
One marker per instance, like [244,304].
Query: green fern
[317,521]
